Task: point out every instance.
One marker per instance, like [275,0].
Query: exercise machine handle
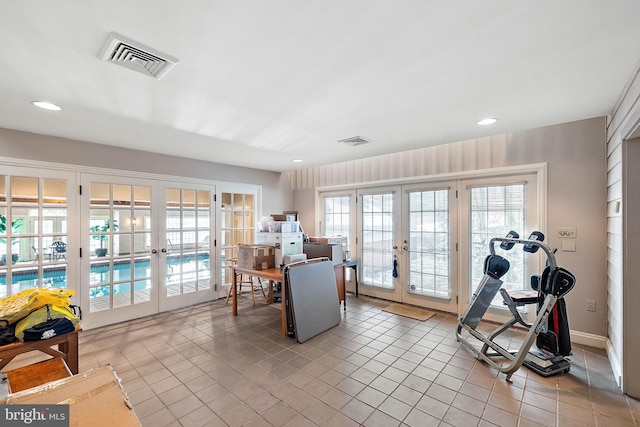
[551,259]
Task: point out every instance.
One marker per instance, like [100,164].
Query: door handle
[154,251]
[163,250]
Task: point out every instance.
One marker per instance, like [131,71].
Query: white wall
[575,157]
[622,226]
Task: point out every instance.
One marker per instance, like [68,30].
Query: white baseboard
[591,340]
[616,367]
[598,341]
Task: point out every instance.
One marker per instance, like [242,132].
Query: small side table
[67,349]
[354,265]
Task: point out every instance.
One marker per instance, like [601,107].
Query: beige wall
[575,157]
[276,191]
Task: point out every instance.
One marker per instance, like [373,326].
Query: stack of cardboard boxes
[276,239]
[284,236]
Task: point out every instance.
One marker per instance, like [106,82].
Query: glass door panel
[238,222]
[203,239]
[33,230]
[493,207]
[378,249]
[427,249]
[496,210]
[339,220]
[187,278]
[119,274]
[120,266]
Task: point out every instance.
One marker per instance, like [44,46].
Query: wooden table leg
[72,352]
[284,310]
[234,283]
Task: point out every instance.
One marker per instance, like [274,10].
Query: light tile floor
[200,366]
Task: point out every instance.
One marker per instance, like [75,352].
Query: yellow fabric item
[17,306]
[41,315]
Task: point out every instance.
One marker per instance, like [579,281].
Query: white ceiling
[262,82]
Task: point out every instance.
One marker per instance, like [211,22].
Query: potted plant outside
[104,228]
[15,226]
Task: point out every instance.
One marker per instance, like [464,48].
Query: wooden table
[67,349]
[276,275]
[271,275]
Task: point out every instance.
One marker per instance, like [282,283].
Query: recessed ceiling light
[486,122]
[47,105]
[297,160]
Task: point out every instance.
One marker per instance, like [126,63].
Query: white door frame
[459,266]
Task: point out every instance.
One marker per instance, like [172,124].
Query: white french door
[238,217]
[120,272]
[186,246]
[378,250]
[492,208]
[429,237]
[425,243]
[405,239]
[38,248]
[146,247]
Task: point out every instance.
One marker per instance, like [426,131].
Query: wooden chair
[246,280]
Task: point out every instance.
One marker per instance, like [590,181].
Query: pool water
[56,276]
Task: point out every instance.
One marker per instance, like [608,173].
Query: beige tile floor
[200,366]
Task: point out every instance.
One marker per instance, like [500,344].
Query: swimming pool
[56,275]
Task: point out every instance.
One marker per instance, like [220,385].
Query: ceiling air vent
[136,56]
[355,141]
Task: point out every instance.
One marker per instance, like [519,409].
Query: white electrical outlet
[591,305]
[567,232]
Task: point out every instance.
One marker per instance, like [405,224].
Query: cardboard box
[283,243]
[291,243]
[273,239]
[319,250]
[289,226]
[329,240]
[281,227]
[256,257]
[267,238]
[291,215]
[93,398]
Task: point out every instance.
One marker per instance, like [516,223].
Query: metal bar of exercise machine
[495,268]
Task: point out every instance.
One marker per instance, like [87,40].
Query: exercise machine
[547,290]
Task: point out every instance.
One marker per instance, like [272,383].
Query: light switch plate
[568,246]
[571,232]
